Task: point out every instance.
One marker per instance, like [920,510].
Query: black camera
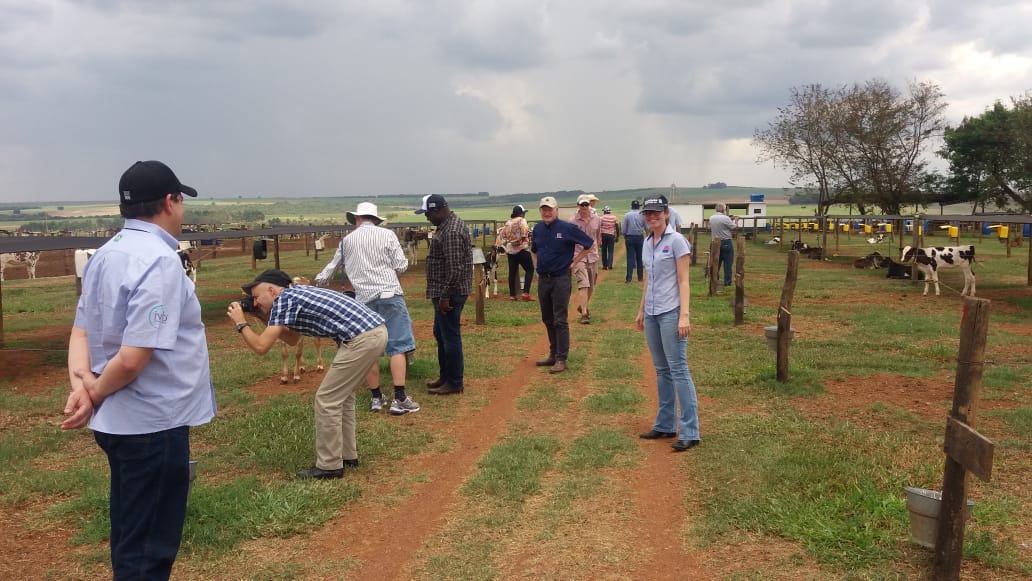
[247,304]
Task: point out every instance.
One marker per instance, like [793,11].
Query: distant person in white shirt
[372,258]
[722,227]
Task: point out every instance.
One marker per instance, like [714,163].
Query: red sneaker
[527,297]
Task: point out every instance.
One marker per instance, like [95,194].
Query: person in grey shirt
[633,228]
[722,227]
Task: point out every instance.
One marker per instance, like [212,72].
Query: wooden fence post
[785,314]
[275,246]
[714,260]
[740,282]
[949,540]
[695,244]
[481,283]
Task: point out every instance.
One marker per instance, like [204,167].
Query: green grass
[831,486]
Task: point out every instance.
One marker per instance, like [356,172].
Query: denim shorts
[398,322]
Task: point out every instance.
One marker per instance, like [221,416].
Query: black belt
[559,275]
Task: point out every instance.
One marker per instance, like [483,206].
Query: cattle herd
[929,262]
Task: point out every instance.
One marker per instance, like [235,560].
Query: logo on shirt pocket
[157,316]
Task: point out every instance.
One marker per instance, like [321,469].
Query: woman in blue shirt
[664,316]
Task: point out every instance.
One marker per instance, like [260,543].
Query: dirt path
[372,530]
[369,530]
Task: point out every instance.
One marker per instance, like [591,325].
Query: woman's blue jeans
[673,380]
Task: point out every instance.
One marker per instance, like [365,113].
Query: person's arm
[79,406]
[123,368]
[684,324]
[639,321]
[260,343]
[330,268]
[399,262]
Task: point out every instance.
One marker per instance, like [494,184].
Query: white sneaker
[375,404]
[402,407]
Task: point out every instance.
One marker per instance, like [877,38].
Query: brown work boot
[559,367]
[546,362]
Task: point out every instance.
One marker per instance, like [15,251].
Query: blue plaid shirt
[321,312]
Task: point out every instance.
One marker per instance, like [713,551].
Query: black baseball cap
[432,202]
[272,276]
[635,204]
[147,181]
[518,210]
[657,204]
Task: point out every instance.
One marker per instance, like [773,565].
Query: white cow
[930,260]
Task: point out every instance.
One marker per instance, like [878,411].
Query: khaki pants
[335,398]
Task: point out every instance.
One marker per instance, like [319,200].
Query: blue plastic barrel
[985,229]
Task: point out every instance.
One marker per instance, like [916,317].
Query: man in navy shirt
[291,311]
[554,242]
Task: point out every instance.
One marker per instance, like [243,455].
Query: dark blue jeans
[150,477]
[608,242]
[448,333]
[554,298]
[727,256]
[634,246]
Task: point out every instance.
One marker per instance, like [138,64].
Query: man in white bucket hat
[372,258]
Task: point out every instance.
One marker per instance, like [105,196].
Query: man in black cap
[138,366]
[634,240]
[290,311]
[449,281]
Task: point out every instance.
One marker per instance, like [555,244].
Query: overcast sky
[321,97]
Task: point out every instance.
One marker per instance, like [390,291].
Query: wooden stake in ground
[740,281]
[965,448]
[785,314]
[714,261]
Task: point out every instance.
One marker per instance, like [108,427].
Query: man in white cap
[586,270]
[372,258]
[554,242]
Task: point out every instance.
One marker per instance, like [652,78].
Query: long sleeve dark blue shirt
[555,244]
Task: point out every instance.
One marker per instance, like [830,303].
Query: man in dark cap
[138,365]
[634,239]
[290,311]
[449,281]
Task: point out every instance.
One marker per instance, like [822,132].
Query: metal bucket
[924,508]
[771,333]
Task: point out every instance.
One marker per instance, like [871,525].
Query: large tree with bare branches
[860,144]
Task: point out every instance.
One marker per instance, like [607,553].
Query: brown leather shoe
[559,367]
[546,362]
[435,383]
[444,390]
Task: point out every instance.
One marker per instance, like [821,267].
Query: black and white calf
[491,269]
[931,260]
[26,259]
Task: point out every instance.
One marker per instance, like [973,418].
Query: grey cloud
[850,24]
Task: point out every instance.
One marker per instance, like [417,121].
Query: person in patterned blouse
[449,281]
[291,311]
[517,250]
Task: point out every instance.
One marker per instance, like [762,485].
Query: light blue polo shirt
[135,293]
[662,294]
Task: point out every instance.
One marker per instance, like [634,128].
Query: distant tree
[990,156]
[861,144]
